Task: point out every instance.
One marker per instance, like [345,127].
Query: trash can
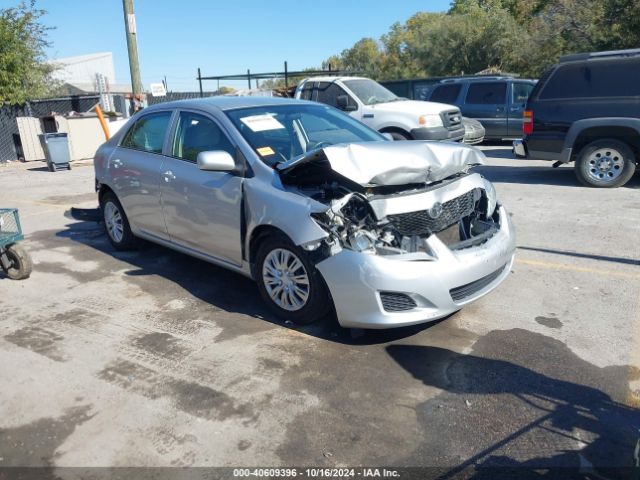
[56,150]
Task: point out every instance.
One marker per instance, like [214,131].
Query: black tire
[51,167]
[21,265]
[318,302]
[124,240]
[398,136]
[605,163]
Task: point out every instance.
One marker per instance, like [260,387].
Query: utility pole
[132,46]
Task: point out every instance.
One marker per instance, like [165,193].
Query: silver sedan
[324,213]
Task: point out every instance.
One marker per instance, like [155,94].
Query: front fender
[268,204]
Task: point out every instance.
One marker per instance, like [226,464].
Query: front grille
[422,222]
[397,302]
[468,290]
[452,119]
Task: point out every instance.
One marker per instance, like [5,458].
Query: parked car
[587,109]
[320,210]
[496,101]
[382,110]
[473,131]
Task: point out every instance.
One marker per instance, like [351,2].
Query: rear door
[486,102]
[134,170]
[518,96]
[201,208]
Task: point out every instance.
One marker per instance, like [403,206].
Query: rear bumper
[438,133]
[438,286]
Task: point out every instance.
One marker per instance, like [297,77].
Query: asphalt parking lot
[151,358]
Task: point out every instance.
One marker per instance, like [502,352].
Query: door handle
[168,176]
[117,163]
[515,109]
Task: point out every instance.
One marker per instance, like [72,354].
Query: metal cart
[14,259]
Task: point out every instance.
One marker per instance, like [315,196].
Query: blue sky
[222,37]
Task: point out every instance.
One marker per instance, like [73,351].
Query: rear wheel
[289,283]
[605,163]
[116,223]
[19,261]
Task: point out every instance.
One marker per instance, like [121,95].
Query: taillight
[527,122]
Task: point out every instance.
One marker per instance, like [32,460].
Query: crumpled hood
[391,163]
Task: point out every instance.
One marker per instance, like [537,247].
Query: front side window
[148,133]
[520,93]
[486,93]
[446,93]
[370,92]
[328,94]
[196,133]
[278,133]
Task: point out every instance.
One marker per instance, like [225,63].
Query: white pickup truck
[377,107]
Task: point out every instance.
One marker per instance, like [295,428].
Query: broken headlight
[492,197]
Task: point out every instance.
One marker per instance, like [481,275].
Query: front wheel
[605,163]
[289,283]
[20,265]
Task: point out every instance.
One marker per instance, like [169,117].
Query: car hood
[416,107]
[388,163]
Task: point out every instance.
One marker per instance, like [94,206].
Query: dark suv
[587,109]
[496,101]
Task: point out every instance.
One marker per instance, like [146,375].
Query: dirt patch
[190,397]
[38,340]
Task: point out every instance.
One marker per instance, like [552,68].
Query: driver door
[202,209]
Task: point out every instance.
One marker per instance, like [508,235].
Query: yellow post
[103,123]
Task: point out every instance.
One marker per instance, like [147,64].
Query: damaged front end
[390,199]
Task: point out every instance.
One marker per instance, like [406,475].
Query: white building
[79,73]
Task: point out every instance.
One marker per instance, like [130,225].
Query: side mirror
[216,160]
[344,105]
[388,136]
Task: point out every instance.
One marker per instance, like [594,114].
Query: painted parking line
[574,268]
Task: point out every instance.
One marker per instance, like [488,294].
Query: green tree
[24,74]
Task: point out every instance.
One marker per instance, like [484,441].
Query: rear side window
[307,90]
[446,93]
[148,133]
[487,93]
[594,79]
[520,93]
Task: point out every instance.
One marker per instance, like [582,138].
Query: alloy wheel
[285,279]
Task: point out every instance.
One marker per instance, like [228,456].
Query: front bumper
[438,133]
[355,280]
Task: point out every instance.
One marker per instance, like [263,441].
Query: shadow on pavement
[502,418]
[221,288]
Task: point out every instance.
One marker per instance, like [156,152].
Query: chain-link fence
[10,145]
[171,96]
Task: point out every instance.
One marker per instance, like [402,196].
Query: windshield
[282,132]
[370,92]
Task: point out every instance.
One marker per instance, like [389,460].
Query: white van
[379,108]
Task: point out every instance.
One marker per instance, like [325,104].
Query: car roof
[223,103]
[577,57]
[333,79]
[488,78]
